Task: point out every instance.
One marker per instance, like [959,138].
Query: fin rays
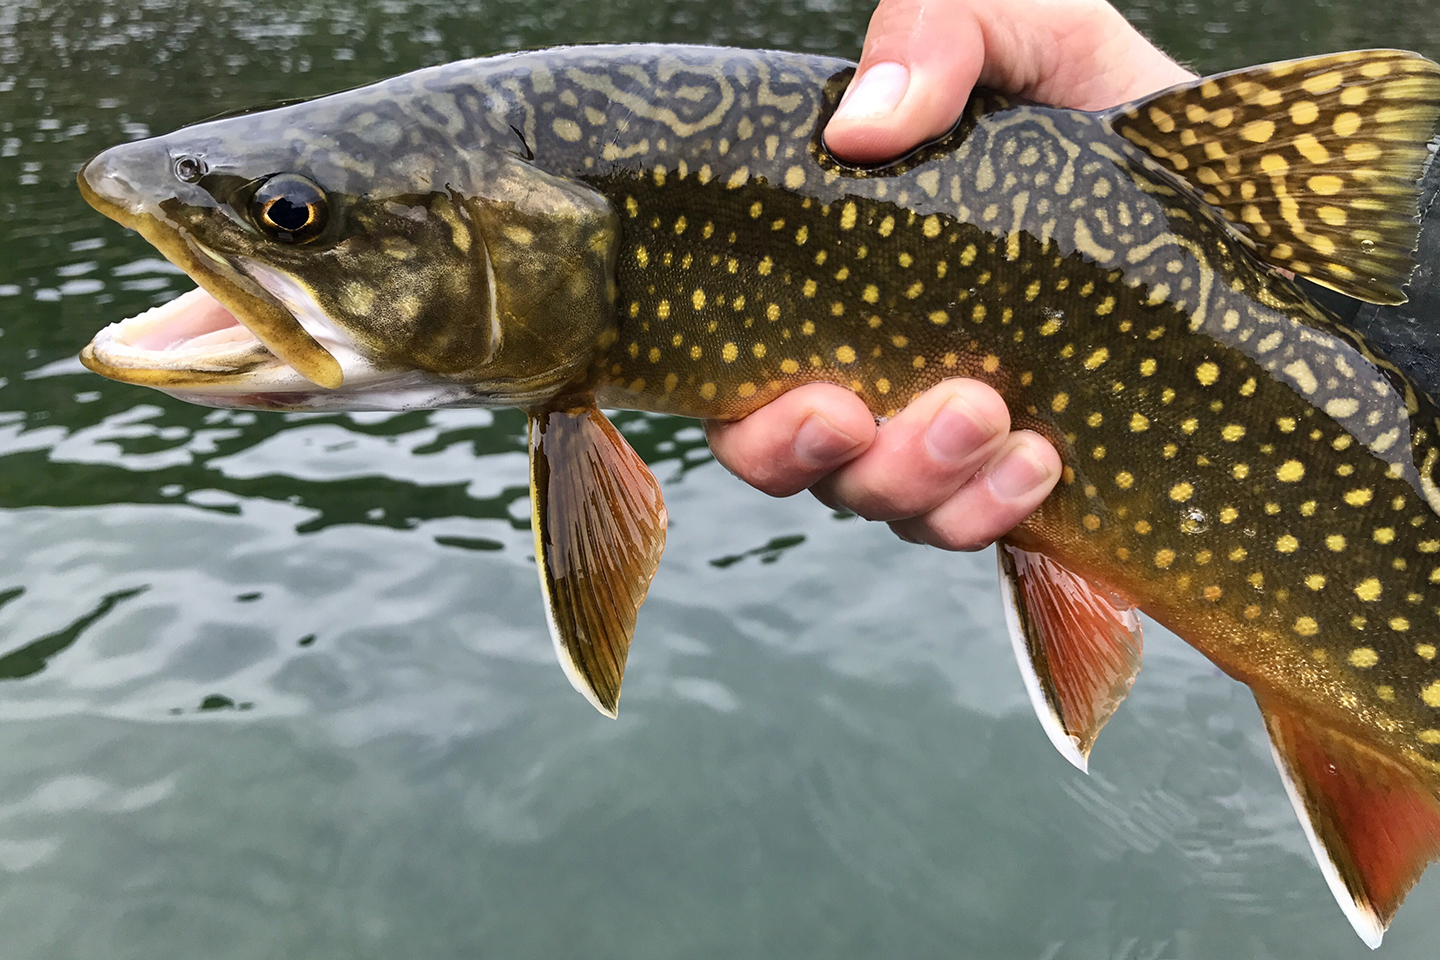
[1313,163]
[599,531]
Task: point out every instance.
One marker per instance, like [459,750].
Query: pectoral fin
[1373,824]
[599,530]
[1078,647]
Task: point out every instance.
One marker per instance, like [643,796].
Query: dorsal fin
[599,529]
[1078,647]
[1373,823]
[1314,163]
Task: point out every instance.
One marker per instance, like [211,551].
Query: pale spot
[1291,471]
[1181,492]
[1335,542]
[1287,544]
[1368,589]
[1207,373]
[1232,432]
[1306,626]
[1426,651]
[1163,559]
[1364,658]
[845,354]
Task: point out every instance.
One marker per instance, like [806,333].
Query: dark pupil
[288,216]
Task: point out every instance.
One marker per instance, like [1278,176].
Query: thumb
[915,74]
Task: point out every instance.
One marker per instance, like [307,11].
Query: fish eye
[190,169]
[290,208]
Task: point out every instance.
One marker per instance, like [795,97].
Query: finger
[922,455]
[920,61]
[794,440]
[1008,489]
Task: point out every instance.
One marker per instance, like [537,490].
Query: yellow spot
[1358,497]
[1124,480]
[1291,471]
[789,366]
[1364,658]
[1368,589]
[1258,131]
[870,294]
[991,363]
[695,351]
[1091,522]
[1181,492]
[697,299]
[1238,554]
[887,226]
[772,312]
[1105,307]
[729,352]
[1304,112]
[1287,544]
[1386,692]
[1139,423]
[932,226]
[1232,432]
[759,350]
[1142,527]
[1163,558]
[1240,471]
[1306,626]
[1426,651]
[1061,401]
[845,354]
[707,391]
[1335,542]
[882,385]
[1228,514]
[642,256]
[1346,124]
[1399,624]
[1207,373]
[1095,359]
[1316,581]
[847,216]
[1430,736]
[745,389]
[1326,185]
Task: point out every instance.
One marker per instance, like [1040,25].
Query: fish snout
[115,181]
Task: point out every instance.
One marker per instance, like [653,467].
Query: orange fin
[1312,162]
[1078,647]
[1373,824]
[599,530]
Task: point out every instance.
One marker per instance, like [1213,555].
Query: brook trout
[662,228]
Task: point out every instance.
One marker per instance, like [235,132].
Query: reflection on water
[279,686]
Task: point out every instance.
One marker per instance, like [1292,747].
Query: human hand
[946,470]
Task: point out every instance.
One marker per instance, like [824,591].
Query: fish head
[348,261]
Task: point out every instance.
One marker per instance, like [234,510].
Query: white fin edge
[1366,924]
[1068,746]
[567,664]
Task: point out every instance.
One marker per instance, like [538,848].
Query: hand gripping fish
[661,228]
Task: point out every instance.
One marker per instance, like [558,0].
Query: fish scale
[662,228]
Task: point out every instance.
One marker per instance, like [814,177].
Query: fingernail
[1018,473]
[876,93]
[957,431]
[819,443]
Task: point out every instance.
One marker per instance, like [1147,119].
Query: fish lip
[275,328]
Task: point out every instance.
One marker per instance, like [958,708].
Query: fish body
[661,228]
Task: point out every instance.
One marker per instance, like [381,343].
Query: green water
[280,687]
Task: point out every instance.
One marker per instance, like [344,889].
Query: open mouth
[192,340]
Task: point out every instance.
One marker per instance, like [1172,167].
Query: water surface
[280,687]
